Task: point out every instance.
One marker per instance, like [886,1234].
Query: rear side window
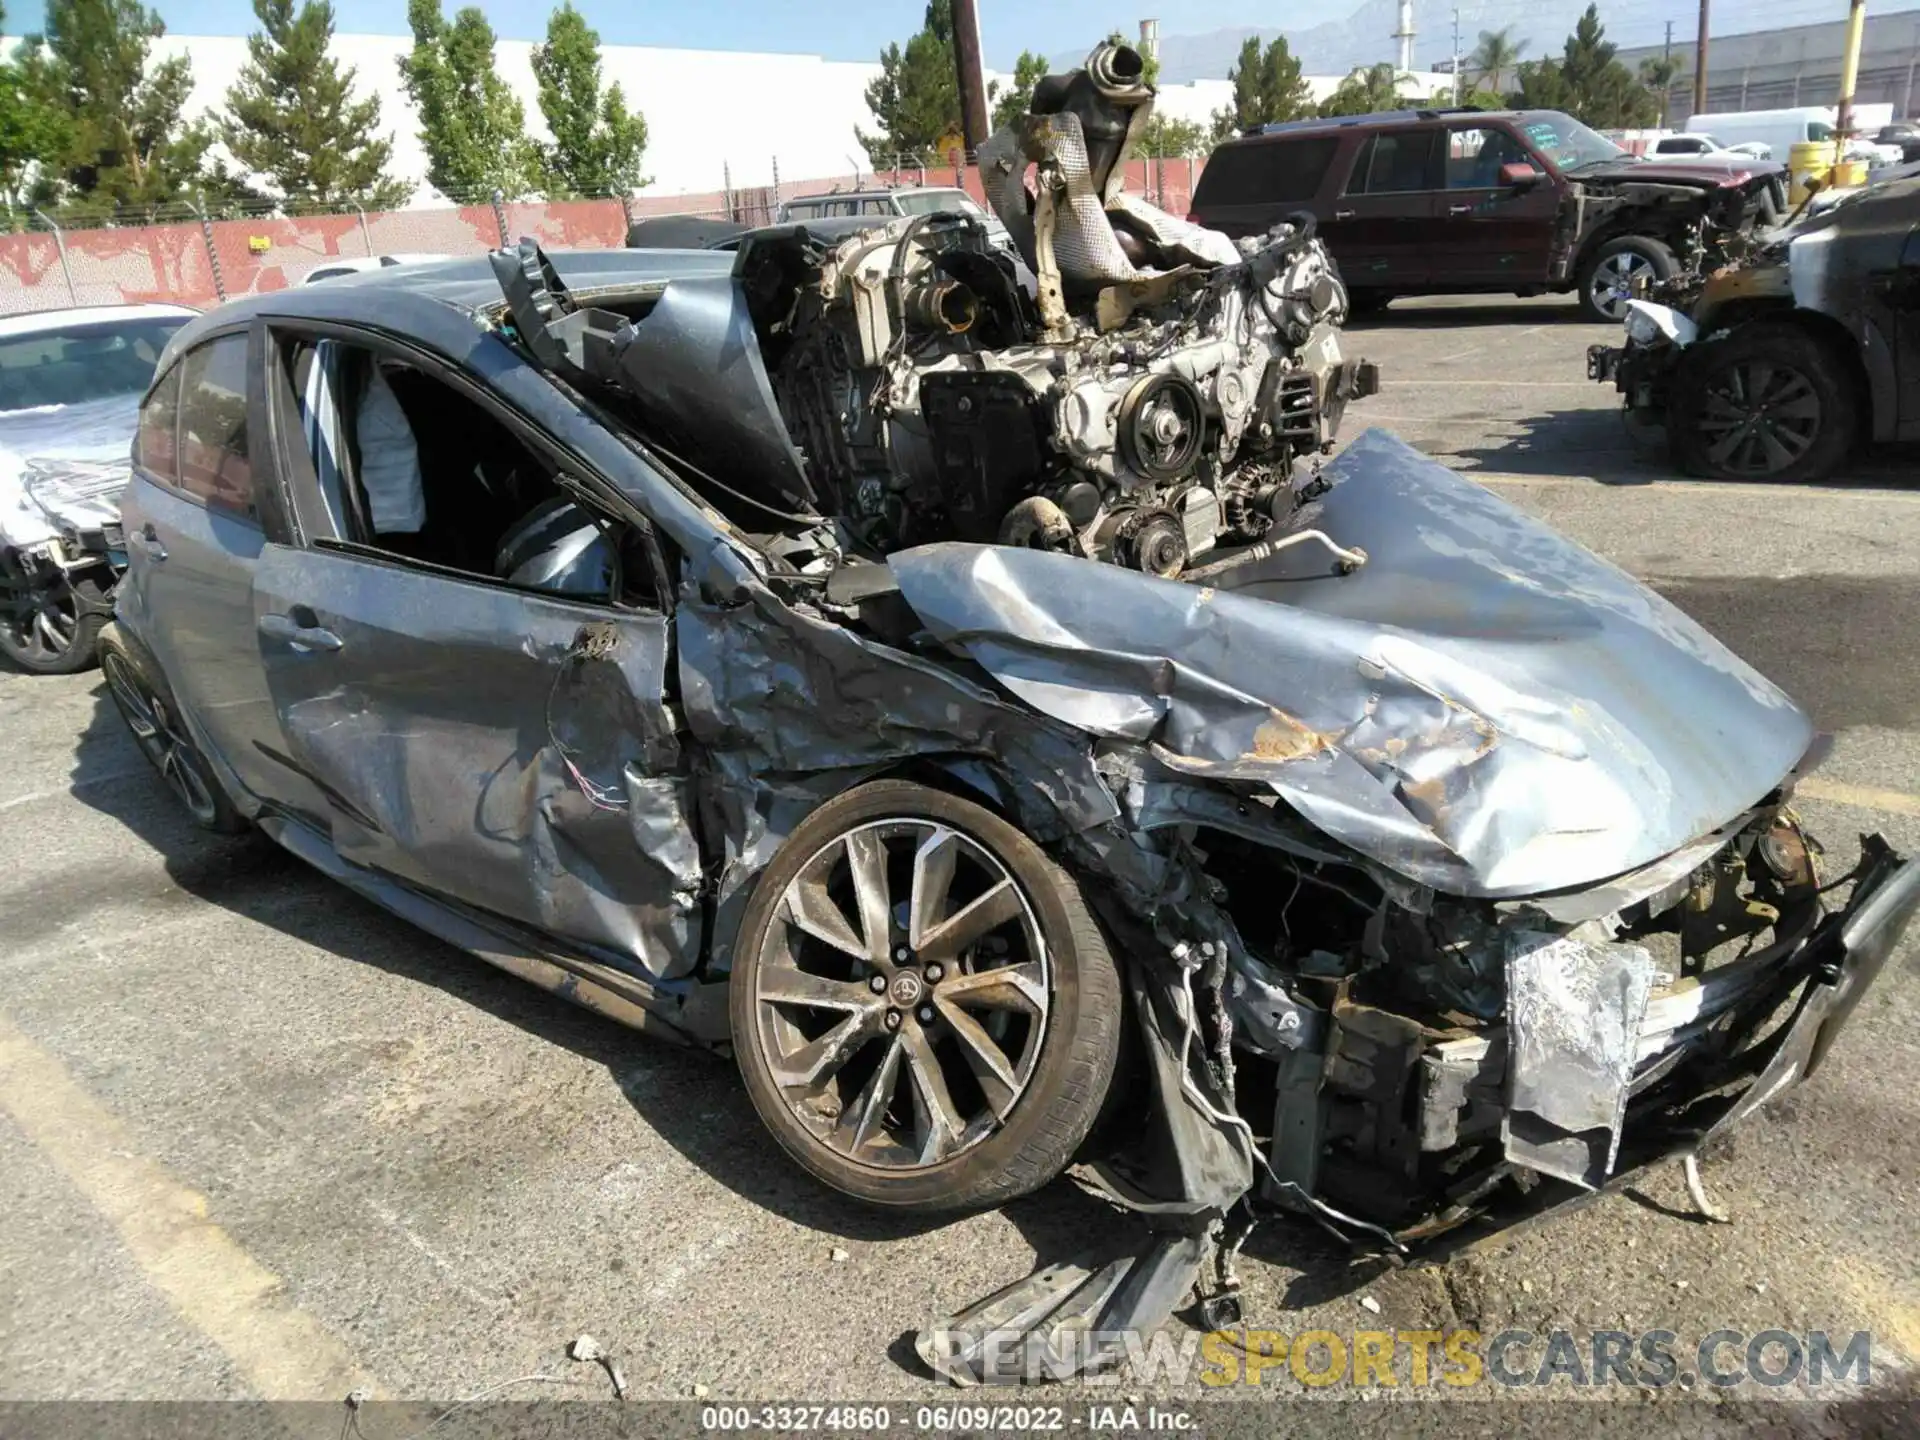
[159,429]
[1266,171]
[214,464]
[1394,162]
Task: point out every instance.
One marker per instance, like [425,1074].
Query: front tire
[55,628]
[1608,277]
[145,701]
[924,1011]
[1767,402]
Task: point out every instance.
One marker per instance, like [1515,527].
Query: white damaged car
[70,388]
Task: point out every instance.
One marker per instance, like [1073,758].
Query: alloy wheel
[47,627]
[902,994]
[1759,417]
[159,733]
[1614,279]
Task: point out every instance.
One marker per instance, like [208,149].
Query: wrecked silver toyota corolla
[1414,878]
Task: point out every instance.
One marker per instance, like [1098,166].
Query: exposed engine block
[1141,399]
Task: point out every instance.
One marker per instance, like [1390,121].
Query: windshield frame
[16,397]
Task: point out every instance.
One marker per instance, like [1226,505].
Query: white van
[1781,130]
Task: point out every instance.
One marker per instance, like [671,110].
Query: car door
[196,525]
[510,750]
[1488,235]
[1381,227]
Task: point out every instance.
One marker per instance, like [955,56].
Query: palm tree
[1365,92]
[1659,73]
[1496,54]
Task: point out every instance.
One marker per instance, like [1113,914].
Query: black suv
[1521,202]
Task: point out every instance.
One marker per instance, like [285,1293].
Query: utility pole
[1850,74]
[973,88]
[1456,58]
[1700,66]
[1666,91]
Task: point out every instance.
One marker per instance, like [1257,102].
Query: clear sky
[837,29]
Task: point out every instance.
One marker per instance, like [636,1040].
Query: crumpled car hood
[1484,707]
[90,445]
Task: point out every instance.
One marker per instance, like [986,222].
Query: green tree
[1478,99]
[1167,138]
[1010,104]
[597,143]
[127,142]
[1365,91]
[915,98]
[1267,89]
[291,117]
[473,128]
[34,133]
[1660,73]
[1495,57]
[1588,82]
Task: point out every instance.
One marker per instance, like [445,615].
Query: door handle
[289,630]
[1459,209]
[149,540]
[1343,214]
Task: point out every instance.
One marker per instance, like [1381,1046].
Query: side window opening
[214,463]
[159,434]
[1267,171]
[1394,162]
[410,466]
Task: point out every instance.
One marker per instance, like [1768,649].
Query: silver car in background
[70,388]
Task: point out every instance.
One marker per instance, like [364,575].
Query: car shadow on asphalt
[691,1098]
[1605,447]
[1495,310]
[1594,445]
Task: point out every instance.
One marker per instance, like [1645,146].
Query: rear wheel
[145,702]
[52,629]
[1770,401]
[924,1011]
[1612,273]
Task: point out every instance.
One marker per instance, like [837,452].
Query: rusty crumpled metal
[1485,707]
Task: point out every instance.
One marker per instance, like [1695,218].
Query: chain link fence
[188,256]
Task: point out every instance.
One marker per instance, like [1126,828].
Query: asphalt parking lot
[258,1139]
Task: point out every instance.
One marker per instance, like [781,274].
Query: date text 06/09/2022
[1097,1418]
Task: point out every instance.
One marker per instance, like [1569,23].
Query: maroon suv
[1421,202]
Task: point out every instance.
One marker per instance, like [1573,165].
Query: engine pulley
[1157,544]
[1160,426]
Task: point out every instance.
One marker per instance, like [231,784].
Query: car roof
[35,321]
[1376,117]
[437,302]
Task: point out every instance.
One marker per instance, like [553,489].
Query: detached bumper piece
[1065,1320]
